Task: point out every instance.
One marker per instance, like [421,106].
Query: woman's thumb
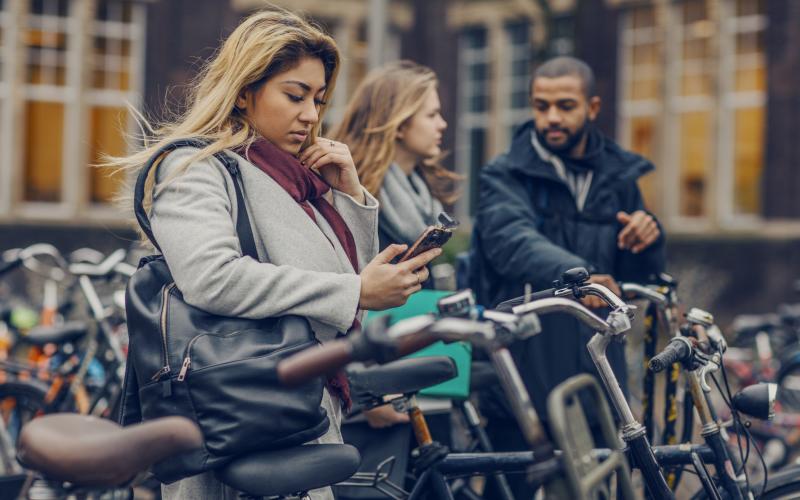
[623,217]
[390,253]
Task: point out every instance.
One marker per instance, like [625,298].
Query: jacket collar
[619,164]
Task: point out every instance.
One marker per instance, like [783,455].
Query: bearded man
[563,196]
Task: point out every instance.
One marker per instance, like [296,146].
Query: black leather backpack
[218,371]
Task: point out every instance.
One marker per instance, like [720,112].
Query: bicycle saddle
[93,452]
[404,376]
[61,334]
[290,471]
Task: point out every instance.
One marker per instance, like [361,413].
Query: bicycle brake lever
[711,365]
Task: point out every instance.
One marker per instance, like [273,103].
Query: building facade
[707,89]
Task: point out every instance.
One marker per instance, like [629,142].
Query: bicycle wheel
[20,401]
[782,485]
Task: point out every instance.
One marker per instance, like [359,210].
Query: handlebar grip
[9,265]
[315,362]
[676,350]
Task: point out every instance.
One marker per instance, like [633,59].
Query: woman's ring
[333,144]
[416,273]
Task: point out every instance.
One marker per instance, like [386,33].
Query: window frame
[469,120]
[512,117]
[78,98]
[132,97]
[731,101]
[65,95]
[628,109]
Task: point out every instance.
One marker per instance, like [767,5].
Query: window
[562,41]
[693,107]
[693,82]
[45,40]
[744,105]
[114,35]
[518,109]
[473,100]
[76,67]
[642,74]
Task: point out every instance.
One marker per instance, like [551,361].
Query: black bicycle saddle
[94,452]
[404,376]
[60,334]
[290,471]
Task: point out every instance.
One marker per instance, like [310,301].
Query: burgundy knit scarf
[307,189]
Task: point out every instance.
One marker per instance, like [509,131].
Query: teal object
[424,302]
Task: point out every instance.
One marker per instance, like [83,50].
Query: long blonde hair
[386,99]
[265,44]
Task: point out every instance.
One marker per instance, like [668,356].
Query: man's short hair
[568,66]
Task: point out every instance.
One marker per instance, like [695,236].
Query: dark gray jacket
[528,230]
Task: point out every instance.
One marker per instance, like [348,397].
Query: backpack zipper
[187,360]
[164,303]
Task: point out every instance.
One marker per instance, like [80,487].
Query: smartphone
[433,237]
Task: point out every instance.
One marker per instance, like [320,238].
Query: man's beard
[572,139]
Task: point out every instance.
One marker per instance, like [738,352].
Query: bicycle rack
[586,476]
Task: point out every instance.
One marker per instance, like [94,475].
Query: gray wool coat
[303,269]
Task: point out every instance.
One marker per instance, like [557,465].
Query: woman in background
[393,126]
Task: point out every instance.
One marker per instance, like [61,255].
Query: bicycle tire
[782,485]
[29,395]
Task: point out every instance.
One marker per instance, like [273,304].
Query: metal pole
[376,32]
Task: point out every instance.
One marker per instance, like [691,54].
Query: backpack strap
[243,229]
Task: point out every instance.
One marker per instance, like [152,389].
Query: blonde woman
[260,100]
[393,126]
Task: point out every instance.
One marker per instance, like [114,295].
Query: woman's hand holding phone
[385,285]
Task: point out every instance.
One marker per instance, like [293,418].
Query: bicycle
[64,370]
[574,284]
[492,331]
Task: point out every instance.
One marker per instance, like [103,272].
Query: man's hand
[593,302]
[639,232]
[384,416]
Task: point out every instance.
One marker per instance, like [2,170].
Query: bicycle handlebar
[678,349]
[645,292]
[28,257]
[569,306]
[114,263]
[315,362]
[511,303]
[379,343]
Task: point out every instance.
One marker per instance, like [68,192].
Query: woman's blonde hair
[385,101]
[265,44]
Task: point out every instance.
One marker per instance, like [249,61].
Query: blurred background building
[707,89]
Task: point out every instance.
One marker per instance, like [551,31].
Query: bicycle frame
[542,464]
[633,433]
